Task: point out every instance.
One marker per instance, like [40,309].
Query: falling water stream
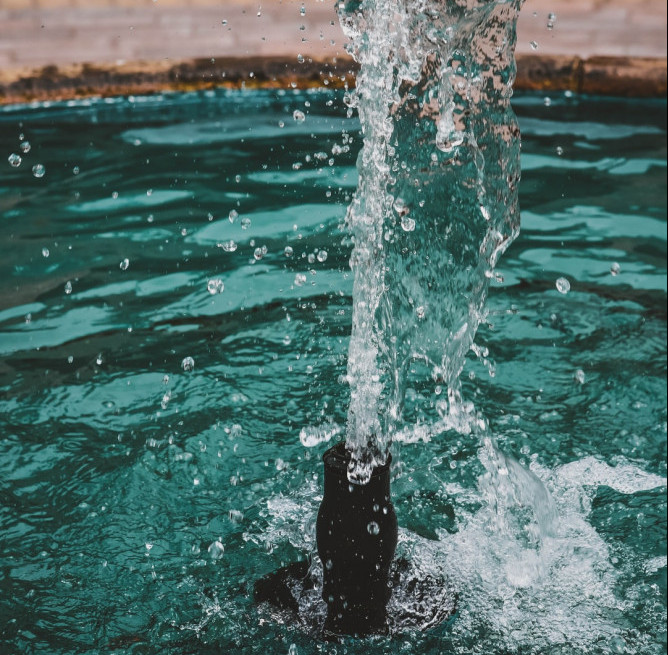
[436,205]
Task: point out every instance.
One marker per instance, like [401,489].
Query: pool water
[175,307]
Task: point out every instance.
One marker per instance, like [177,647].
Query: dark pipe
[356,533]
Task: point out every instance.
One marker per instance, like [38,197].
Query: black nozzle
[356,533]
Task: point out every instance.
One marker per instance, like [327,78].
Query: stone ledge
[615,76]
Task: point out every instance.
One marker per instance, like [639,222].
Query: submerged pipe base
[292,596]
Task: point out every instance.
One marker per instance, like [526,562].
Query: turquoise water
[139,501]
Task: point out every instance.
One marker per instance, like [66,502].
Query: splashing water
[436,203]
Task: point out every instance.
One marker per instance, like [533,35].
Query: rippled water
[143,492]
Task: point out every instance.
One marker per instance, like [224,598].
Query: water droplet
[228,246]
[165,379]
[233,215]
[124,265]
[259,253]
[237,178]
[245,223]
[216,550]
[300,279]
[563,285]
[407,223]
[70,359]
[300,59]
[68,287]
[329,565]
[25,147]
[288,251]
[322,256]
[373,528]
[75,170]
[302,11]
[45,252]
[420,312]
[98,359]
[579,376]
[165,399]
[188,364]
[534,45]
[14,160]
[299,116]
[560,151]
[615,269]
[224,21]
[38,170]
[215,286]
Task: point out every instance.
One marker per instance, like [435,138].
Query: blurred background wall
[36,33]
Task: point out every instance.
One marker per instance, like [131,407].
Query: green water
[120,471]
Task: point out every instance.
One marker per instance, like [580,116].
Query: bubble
[579,376]
[215,286]
[300,59]
[165,379]
[125,264]
[322,256]
[98,359]
[259,253]
[615,269]
[233,215]
[14,160]
[228,246]
[287,340]
[373,528]
[45,252]
[300,279]
[245,223]
[420,312]
[216,550]
[563,285]
[288,251]
[407,224]
[299,116]
[302,11]
[560,151]
[68,287]
[534,45]
[25,147]
[75,170]
[188,364]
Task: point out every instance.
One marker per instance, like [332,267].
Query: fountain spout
[356,534]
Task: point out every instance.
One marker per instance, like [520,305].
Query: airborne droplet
[563,285]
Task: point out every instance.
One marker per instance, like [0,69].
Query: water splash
[436,203]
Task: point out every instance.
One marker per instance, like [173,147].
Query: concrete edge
[614,76]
